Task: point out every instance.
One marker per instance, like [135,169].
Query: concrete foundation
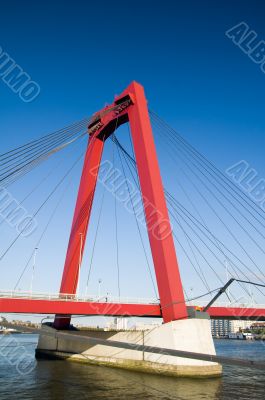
[192,335]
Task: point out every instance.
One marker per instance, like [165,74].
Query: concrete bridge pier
[193,335]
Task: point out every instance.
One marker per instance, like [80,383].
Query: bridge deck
[70,305]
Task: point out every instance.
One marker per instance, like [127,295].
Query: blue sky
[83,53]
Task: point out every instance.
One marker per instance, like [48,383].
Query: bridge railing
[228,304]
[73,297]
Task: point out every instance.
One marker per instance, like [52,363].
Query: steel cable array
[199,230]
[206,180]
[16,163]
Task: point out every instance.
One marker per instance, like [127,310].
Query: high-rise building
[220,327]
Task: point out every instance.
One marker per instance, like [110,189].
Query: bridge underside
[33,306]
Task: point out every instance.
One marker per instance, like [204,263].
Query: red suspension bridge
[159,207]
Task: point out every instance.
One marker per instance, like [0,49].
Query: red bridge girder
[33,306]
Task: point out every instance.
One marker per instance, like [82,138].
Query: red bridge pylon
[130,107]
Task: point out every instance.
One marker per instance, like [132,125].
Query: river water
[28,379]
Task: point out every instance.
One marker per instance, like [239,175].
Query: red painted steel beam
[81,218]
[82,215]
[33,306]
[236,312]
[156,213]
[62,307]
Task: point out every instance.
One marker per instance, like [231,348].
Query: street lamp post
[33,269]
[227,277]
[99,287]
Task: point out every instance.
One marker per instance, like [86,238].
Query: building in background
[257,326]
[220,327]
[224,327]
[239,326]
[119,324]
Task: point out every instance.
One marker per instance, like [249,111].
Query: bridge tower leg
[80,224]
[156,213]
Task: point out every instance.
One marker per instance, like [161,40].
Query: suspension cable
[95,240]
[40,207]
[44,138]
[137,223]
[222,221]
[217,199]
[197,225]
[116,214]
[34,148]
[211,167]
[16,174]
[132,160]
